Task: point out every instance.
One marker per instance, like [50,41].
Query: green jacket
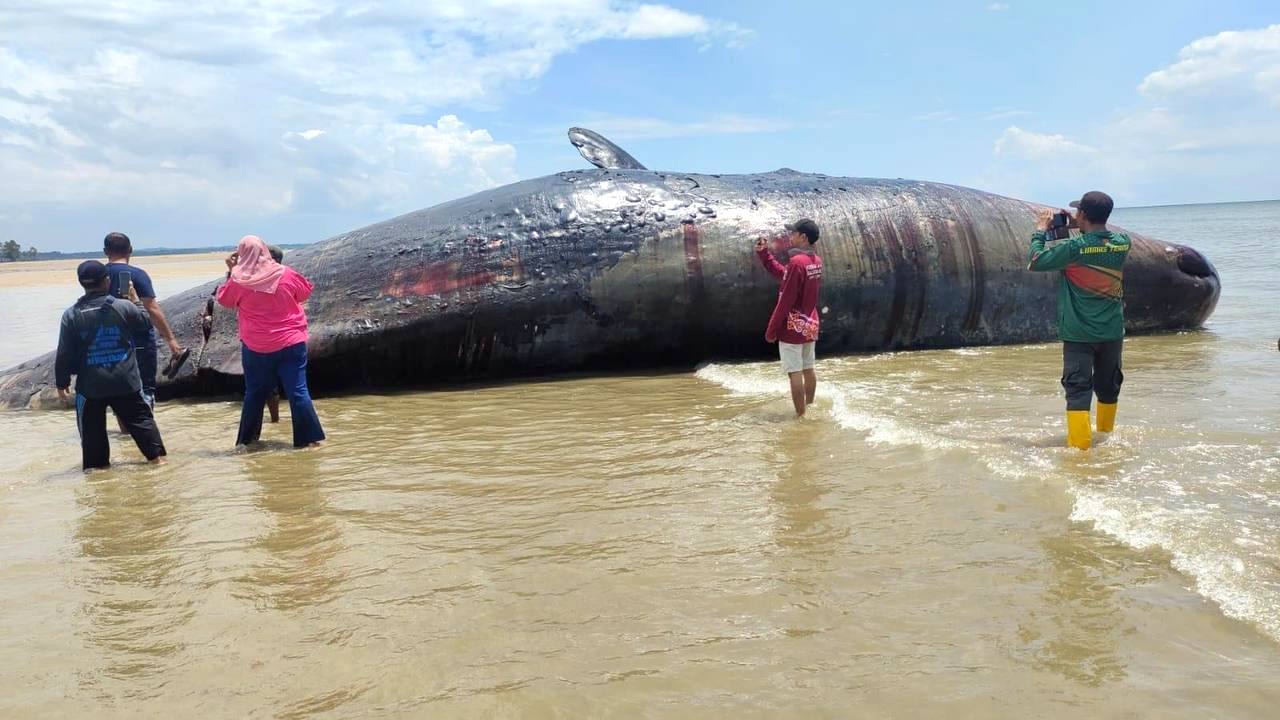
[1091,291]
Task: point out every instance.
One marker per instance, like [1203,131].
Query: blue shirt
[123,275]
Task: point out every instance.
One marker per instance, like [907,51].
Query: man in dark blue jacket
[95,343]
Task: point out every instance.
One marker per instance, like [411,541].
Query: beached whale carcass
[622,267]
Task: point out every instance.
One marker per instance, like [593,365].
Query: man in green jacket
[1090,311]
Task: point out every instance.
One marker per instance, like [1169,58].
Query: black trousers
[134,413]
[1091,368]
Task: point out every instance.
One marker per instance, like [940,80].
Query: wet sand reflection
[1082,622]
[131,533]
[298,550]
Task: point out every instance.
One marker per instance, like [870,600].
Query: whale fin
[602,153]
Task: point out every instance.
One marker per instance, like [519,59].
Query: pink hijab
[256,269]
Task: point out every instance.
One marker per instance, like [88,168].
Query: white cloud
[1244,62]
[650,22]
[998,7]
[1204,128]
[32,125]
[250,107]
[113,67]
[30,80]
[657,21]
[305,134]
[1037,146]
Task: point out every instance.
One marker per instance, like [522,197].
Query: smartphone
[1058,226]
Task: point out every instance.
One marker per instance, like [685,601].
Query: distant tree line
[11,251]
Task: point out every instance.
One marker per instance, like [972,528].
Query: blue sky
[300,120]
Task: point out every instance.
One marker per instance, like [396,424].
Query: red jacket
[795,318]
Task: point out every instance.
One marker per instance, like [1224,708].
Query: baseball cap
[91,272]
[1095,205]
[806,227]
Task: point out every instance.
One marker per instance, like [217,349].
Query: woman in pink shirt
[273,335]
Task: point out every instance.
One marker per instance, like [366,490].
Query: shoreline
[46,273]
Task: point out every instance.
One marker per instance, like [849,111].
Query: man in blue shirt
[95,343]
[124,278]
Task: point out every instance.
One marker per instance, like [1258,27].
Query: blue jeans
[262,371]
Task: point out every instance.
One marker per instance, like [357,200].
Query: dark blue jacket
[95,343]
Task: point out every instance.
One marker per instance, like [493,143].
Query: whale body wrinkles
[618,268]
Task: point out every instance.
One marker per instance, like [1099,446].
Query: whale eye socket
[1193,263]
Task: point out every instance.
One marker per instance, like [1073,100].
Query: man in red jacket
[794,323]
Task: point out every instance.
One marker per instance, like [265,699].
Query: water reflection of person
[130,535]
[1079,639]
[804,526]
[304,536]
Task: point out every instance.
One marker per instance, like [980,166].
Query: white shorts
[797,357]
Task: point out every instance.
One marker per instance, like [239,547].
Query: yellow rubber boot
[1106,417]
[1078,434]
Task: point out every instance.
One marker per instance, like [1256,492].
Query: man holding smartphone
[130,282]
[1090,309]
[794,322]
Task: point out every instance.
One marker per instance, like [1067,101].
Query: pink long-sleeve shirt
[270,321]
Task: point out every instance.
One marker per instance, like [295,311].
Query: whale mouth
[1193,263]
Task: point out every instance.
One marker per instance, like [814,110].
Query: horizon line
[1219,202]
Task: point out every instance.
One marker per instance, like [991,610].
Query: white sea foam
[1227,575]
[1158,485]
[745,380]
[854,406]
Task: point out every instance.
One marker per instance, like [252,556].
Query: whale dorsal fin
[598,151]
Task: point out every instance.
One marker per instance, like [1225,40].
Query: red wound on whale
[693,261]
[433,279]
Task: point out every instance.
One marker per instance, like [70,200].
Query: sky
[190,125]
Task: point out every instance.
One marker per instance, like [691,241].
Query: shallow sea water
[678,546]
